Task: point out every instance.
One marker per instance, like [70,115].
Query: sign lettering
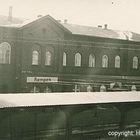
[41,79]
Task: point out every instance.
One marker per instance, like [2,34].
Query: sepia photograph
[69,70]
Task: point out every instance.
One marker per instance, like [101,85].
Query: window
[104,61]
[48,58]
[135,62]
[35,57]
[78,59]
[5,53]
[64,59]
[91,60]
[117,62]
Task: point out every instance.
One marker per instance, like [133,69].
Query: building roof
[101,32]
[89,31]
[74,29]
[54,99]
[5,22]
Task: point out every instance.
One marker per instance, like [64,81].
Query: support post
[123,117]
[68,127]
[35,126]
[10,126]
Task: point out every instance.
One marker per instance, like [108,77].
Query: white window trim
[135,62]
[77,60]
[117,61]
[64,59]
[91,60]
[35,61]
[4,47]
[48,58]
[105,61]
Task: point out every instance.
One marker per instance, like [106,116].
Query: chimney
[105,26]
[10,14]
[39,16]
[59,21]
[65,21]
[99,26]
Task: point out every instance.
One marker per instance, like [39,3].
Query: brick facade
[48,34]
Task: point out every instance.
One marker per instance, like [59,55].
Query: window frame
[48,58]
[35,57]
[77,63]
[4,48]
[64,59]
[117,61]
[92,61]
[105,62]
[135,63]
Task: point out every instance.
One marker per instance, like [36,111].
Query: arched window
[48,58]
[78,59]
[105,61]
[5,53]
[117,62]
[35,57]
[91,60]
[64,59]
[135,62]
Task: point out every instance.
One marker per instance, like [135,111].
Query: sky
[118,14]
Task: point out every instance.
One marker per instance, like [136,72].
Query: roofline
[6,26]
[51,18]
[63,28]
[20,100]
[117,39]
[60,25]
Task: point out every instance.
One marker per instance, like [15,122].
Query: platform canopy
[54,99]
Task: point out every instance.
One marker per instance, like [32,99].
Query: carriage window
[78,59]
[105,61]
[117,62]
[135,62]
[35,57]
[64,59]
[91,60]
[5,53]
[48,58]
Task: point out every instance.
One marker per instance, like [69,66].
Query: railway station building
[47,55]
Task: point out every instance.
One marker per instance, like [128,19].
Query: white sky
[118,14]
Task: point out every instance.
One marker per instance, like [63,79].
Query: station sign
[42,79]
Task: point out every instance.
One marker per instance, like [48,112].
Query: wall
[8,71]
[99,47]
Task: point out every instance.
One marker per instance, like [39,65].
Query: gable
[43,28]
